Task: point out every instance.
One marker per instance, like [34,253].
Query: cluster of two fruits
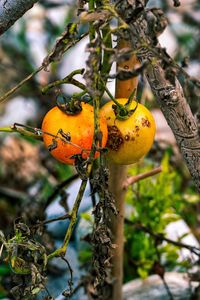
[127,141]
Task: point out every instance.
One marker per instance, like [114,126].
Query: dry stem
[136,178]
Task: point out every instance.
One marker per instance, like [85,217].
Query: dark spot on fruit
[108,118]
[127,137]
[137,128]
[115,138]
[137,134]
[146,123]
[133,139]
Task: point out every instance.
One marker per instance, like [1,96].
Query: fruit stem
[79,95]
[122,112]
[68,79]
[130,99]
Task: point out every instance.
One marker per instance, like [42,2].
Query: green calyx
[123,112]
[70,107]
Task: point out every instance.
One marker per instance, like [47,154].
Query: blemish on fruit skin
[127,137]
[146,123]
[137,128]
[115,138]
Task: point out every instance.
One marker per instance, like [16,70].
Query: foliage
[155,203]
[4,270]
[26,258]
[154,197]
[63,171]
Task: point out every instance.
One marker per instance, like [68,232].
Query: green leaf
[85,255]
[142,273]
[4,270]
[86,216]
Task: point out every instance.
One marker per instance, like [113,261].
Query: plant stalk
[73,218]
[118,175]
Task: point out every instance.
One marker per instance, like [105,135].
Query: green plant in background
[63,171]
[4,270]
[84,249]
[153,198]
[154,202]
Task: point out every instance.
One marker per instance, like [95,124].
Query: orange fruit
[129,140]
[66,135]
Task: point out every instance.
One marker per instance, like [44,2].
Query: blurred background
[29,175]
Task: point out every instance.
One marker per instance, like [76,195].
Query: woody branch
[11,11]
[144,27]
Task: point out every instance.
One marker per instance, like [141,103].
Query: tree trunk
[144,27]
[11,11]
[118,176]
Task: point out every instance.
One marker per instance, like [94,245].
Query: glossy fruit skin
[129,140]
[79,131]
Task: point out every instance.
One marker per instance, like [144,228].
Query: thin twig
[161,237]
[12,194]
[167,288]
[16,87]
[61,218]
[70,281]
[136,178]
[37,133]
[162,272]
[74,291]
[46,62]
[28,131]
[59,187]
[68,79]
[48,293]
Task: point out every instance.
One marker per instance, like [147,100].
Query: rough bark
[144,26]
[11,11]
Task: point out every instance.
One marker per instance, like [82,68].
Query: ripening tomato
[67,135]
[131,139]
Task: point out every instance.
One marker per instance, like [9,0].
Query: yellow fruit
[129,140]
[72,134]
